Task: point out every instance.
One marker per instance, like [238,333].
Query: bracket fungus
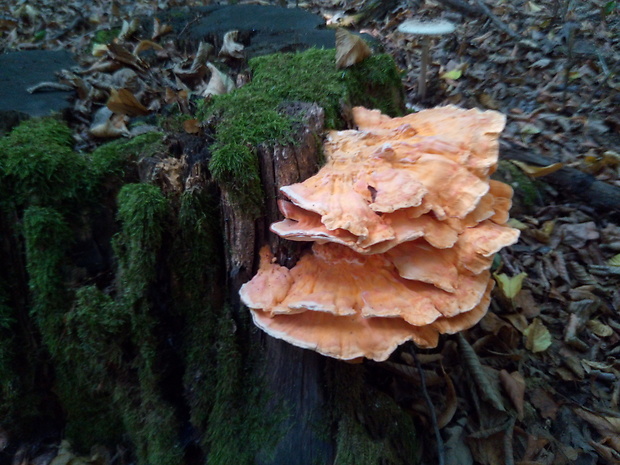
[404,221]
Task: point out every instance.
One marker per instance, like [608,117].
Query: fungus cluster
[404,221]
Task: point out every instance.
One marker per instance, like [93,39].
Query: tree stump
[131,330]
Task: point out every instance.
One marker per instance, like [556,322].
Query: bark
[317,407]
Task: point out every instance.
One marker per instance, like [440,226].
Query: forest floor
[538,380]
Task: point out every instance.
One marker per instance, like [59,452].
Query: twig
[462,7]
[496,21]
[487,433]
[189,23]
[440,448]
[48,87]
[509,458]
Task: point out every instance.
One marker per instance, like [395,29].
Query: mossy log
[119,309]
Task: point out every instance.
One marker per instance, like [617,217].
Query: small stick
[508,449]
[496,21]
[440,453]
[47,86]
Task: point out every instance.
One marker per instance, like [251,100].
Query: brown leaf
[123,102]
[119,53]
[451,402]
[160,29]
[145,45]
[484,383]
[350,49]
[514,384]
[191,126]
[107,125]
[608,427]
[544,403]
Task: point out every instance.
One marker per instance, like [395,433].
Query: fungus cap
[427,28]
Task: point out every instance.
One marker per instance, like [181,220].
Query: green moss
[238,414]
[47,237]
[96,330]
[526,188]
[116,160]
[38,166]
[105,36]
[380,434]
[252,114]
[142,210]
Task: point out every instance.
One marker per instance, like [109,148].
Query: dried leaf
[350,49]
[105,125]
[160,29]
[538,171]
[537,336]
[509,287]
[544,403]
[487,389]
[600,329]
[451,402]
[123,102]
[231,47]
[219,84]
[514,384]
[191,126]
[128,29]
[170,171]
[608,427]
[119,53]
[99,50]
[145,45]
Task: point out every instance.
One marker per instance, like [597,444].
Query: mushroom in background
[426,29]
[405,222]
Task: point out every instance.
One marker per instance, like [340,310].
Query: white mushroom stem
[424,67]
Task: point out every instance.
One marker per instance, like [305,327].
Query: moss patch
[250,115]
[38,166]
[380,433]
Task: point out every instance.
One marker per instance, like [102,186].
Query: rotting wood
[603,197]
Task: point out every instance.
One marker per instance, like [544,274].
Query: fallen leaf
[119,53]
[537,336]
[231,47]
[514,384]
[145,45]
[451,402]
[350,49]
[453,75]
[220,83]
[488,389]
[614,261]
[544,403]
[509,287]
[608,427]
[191,126]
[123,102]
[538,171]
[600,329]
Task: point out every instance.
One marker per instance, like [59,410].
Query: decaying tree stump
[123,309]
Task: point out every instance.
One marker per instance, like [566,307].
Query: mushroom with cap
[426,29]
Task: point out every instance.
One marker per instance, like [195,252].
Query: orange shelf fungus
[405,223]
